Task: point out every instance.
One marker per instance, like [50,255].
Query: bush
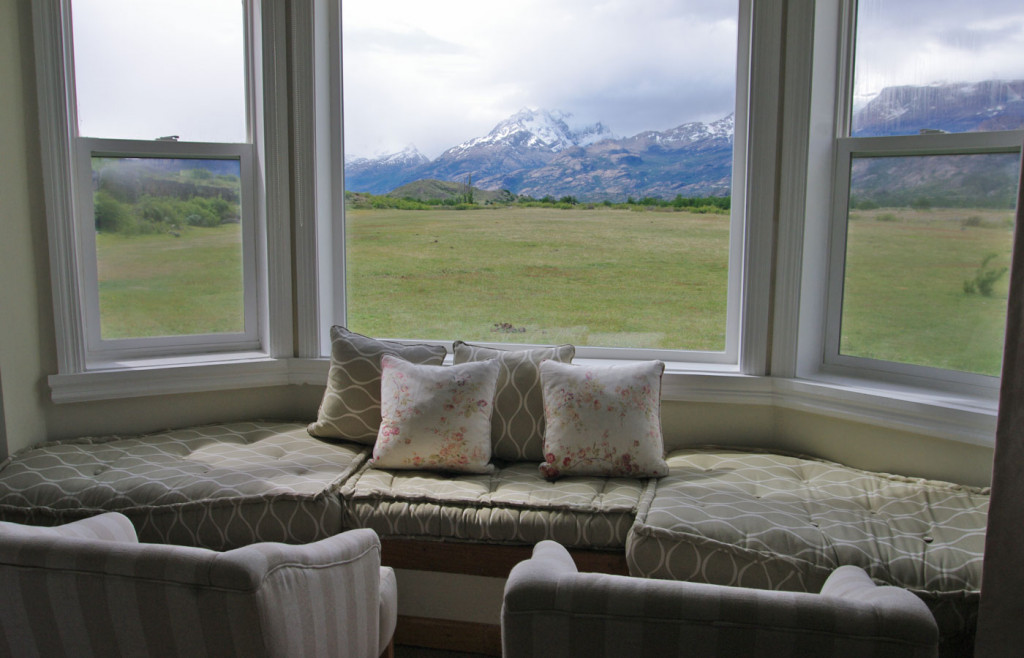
[111,215]
[985,278]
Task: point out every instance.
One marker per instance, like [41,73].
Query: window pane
[168,246]
[145,70]
[553,172]
[929,240]
[938,65]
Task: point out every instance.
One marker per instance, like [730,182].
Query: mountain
[538,152]
[541,152]
[382,174]
[957,107]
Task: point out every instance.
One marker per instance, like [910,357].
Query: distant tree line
[463,201]
[135,207]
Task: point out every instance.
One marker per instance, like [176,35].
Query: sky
[436,73]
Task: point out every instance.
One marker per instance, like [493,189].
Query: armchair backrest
[551,609]
[90,588]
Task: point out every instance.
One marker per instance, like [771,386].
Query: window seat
[750,518]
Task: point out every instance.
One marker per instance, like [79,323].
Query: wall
[28,352]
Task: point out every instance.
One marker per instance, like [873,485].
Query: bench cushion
[512,505]
[215,486]
[774,521]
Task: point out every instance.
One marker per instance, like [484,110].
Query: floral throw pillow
[603,420]
[436,417]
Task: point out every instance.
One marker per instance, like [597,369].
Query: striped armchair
[89,588]
[550,609]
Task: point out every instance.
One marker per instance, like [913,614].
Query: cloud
[634,66]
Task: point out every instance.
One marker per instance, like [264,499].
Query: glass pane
[929,241]
[145,70]
[938,65]
[557,171]
[168,246]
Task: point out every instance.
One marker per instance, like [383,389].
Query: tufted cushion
[512,505]
[517,426]
[350,408]
[774,521]
[215,486]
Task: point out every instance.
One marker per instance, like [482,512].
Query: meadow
[600,276]
[159,284]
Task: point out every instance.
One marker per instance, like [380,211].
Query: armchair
[550,609]
[89,588]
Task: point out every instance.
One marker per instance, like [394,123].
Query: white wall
[28,352]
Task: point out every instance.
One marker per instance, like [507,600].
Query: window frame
[92,369]
[744,344]
[845,149]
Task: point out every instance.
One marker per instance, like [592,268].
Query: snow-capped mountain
[540,152]
[384,172]
[540,129]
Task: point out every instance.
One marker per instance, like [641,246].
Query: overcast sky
[437,73]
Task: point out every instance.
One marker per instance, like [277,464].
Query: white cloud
[634,66]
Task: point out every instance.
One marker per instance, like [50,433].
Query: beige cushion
[775,521]
[436,417]
[512,505]
[517,426]
[603,420]
[350,408]
[214,486]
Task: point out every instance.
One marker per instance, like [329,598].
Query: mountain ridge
[538,152]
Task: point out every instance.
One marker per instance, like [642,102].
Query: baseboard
[465,636]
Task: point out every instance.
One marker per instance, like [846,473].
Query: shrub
[985,278]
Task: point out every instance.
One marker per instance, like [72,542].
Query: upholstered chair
[90,588]
[550,609]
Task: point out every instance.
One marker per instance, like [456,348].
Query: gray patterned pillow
[517,424]
[351,405]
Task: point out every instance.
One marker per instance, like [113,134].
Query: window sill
[962,418]
[145,377]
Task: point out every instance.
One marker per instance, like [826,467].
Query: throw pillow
[603,420]
[350,408]
[436,417]
[517,426]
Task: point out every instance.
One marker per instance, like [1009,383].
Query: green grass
[606,277]
[603,276]
[161,285]
[904,296]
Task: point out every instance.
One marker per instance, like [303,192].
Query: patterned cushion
[772,521]
[350,408]
[603,420]
[512,505]
[518,421]
[436,417]
[216,486]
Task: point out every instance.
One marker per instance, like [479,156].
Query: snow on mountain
[537,129]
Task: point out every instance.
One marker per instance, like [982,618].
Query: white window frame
[848,148]
[90,368]
[750,224]
[100,350]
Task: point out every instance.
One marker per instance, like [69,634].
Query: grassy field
[604,276]
[904,291]
[161,285]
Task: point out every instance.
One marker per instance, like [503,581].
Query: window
[153,188]
[550,173]
[927,163]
